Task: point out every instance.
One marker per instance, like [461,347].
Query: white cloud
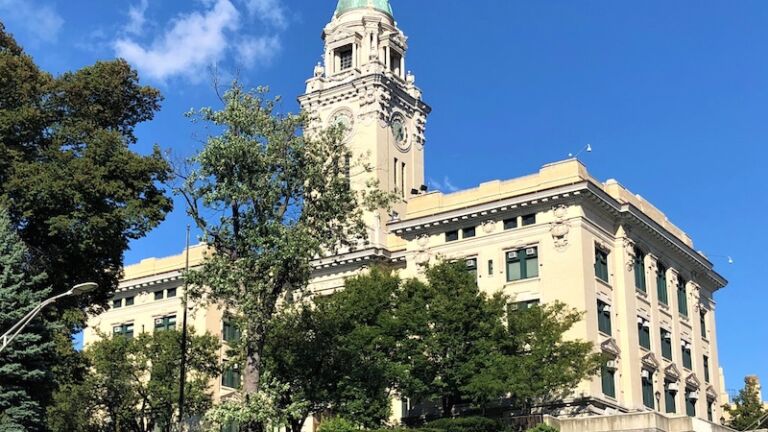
[41,21]
[136,17]
[254,49]
[270,11]
[195,41]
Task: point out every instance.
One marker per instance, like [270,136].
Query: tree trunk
[447,406]
[296,424]
[252,370]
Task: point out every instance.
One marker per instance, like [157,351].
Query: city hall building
[557,234]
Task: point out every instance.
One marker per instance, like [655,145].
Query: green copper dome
[348,5]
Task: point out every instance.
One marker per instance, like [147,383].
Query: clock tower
[362,84]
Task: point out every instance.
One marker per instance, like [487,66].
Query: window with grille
[231,377]
[601,264]
[669,397]
[640,270]
[345,57]
[661,284]
[666,344]
[124,330]
[608,380]
[604,317]
[682,298]
[165,323]
[522,264]
[644,331]
[647,386]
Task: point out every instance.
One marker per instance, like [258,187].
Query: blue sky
[671,95]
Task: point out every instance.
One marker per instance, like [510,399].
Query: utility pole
[183,368]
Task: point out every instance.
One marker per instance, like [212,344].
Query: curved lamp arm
[11,334]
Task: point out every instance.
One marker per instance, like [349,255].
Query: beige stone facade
[558,234]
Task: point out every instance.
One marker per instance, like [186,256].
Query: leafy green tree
[453,331]
[268,199]
[747,411]
[24,378]
[133,384]
[338,354]
[460,350]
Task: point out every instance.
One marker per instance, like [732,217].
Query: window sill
[604,334]
[522,281]
[644,349]
[602,282]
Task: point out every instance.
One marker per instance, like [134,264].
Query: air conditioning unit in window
[530,251]
[667,335]
[512,255]
[116,329]
[612,364]
[673,387]
[693,395]
[158,321]
[645,374]
[646,324]
[606,308]
[471,263]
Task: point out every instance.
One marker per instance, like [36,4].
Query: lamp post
[11,334]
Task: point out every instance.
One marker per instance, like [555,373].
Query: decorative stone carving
[489,226]
[650,361]
[611,347]
[422,258]
[422,241]
[692,382]
[560,228]
[672,372]
[711,393]
[319,70]
[631,256]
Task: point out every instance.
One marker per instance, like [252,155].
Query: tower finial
[348,5]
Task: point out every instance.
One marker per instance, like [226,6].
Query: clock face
[399,131]
[343,119]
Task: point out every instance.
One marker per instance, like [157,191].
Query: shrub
[465,424]
[542,428]
[337,424]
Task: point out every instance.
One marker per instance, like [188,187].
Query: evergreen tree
[747,411]
[23,373]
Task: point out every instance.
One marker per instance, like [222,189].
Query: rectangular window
[710,410]
[402,179]
[661,284]
[490,267]
[231,377]
[682,298]
[129,301]
[703,323]
[345,57]
[669,397]
[687,360]
[468,232]
[510,223]
[394,173]
[647,383]
[529,219]
[171,293]
[608,379]
[644,330]
[451,236]
[395,60]
[159,295]
[705,363]
[604,317]
[690,404]
[472,267]
[523,305]
[124,330]
[522,264]
[601,264]
[165,323]
[117,303]
[666,344]
[640,270]
[230,332]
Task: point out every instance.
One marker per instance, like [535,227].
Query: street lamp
[11,334]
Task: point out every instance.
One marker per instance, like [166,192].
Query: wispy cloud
[270,11]
[42,22]
[194,41]
[445,186]
[137,17]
